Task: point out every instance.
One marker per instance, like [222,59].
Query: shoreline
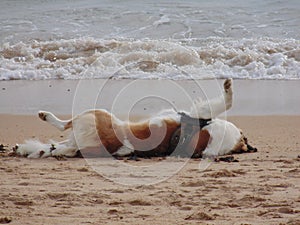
[145,97]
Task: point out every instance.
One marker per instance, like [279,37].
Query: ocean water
[171,39]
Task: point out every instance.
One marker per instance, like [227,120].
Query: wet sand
[145,97]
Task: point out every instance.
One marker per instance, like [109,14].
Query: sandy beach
[261,188]
[134,59]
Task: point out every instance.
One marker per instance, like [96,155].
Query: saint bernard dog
[98,133]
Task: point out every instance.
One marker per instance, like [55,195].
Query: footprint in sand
[199,216]
[221,173]
[139,202]
[193,184]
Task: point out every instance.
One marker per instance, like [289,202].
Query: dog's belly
[224,136]
[217,138]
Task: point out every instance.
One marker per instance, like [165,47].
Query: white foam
[163,20]
[151,59]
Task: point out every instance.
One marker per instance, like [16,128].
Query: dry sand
[262,188]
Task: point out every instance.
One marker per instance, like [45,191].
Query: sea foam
[87,58]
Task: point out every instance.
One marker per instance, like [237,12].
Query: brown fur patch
[69,125]
[199,142]
[105,128]
[241,146]
[154,140]
[145,141]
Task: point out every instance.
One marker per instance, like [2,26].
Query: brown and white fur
[98,132]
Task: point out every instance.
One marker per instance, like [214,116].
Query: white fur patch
[156,121]
[126,149]
[167,114]
[208,109]
[37,149]
[127,143]
[224,136]
[84,131]
[64,150]
[33,149]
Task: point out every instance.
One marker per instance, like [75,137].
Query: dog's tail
[33,148]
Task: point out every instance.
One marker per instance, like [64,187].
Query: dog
[98,133]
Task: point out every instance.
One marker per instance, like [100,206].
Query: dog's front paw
[227,84]
[43,115]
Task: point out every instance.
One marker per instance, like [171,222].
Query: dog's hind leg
[211,108]
[64,150]
[53,120]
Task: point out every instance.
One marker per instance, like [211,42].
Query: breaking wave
[87,58]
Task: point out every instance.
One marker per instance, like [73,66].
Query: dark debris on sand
[226,159]
[3,148]
[5,220]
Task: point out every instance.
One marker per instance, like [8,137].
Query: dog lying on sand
[98,133]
